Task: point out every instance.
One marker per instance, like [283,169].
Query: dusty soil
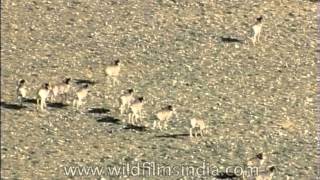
[195,55]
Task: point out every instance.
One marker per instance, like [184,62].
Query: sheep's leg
[258,36]
[65,97]
[126,108]
[74,103]
[130,118]
[20,100]
[140,117]
[110,80]
[165,124]
[135,118]
[116,80]
[42,104]
[160,126]
[52,98]
[154,124]
[38,103]
[122,108]
[83,102]
[127,120]
[254,39]
[190,132]
[79,103]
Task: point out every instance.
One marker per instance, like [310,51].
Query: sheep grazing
[267,175]
[81,94]
[257,161]
[256,29]
[61,89]
[125,100]
[136,110]
[113,71]
[42,96]
[199,126]
[21,91]
[163,116]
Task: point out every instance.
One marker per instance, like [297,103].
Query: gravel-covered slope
[195,55]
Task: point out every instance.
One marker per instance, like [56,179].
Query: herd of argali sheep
[128,102]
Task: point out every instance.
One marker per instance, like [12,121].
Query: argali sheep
[113,71]
[267,175]
[42,96]
[21,91]
[136,110]
[256,30]
[61,89]
[198,125]
[163,116]
[125,100]
[80,94]
[257,161]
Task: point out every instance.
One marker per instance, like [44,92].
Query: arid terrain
[193,54]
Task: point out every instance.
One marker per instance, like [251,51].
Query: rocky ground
[193,54]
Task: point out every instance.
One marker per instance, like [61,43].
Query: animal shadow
[230,40]
[175,136]
[12,106]
[30,100]
[135,127]
[84,81]
[225,175]
[108,119]
[57,105]
[51,104]
[99,110]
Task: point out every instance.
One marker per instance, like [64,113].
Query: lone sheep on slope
[199,126]
[21,91]
[42,96]
[163,117]
[256,29]
[113,71]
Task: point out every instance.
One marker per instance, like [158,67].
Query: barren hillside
[193,54]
